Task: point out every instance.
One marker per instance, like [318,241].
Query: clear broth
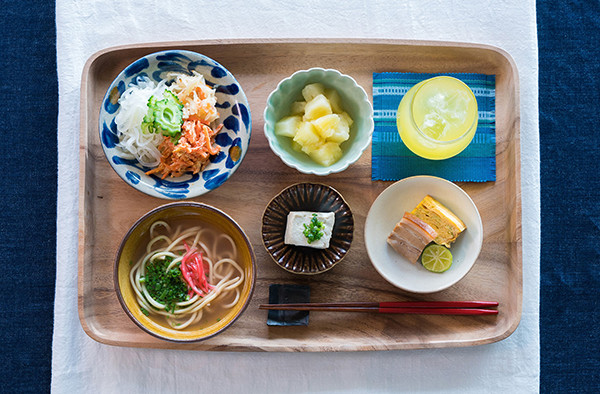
[214,311]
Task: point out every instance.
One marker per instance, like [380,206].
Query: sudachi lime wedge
[436,258]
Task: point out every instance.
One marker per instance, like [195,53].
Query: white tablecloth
[80,364]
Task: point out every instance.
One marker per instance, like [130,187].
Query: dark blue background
[568,34]
[569,50]
[28,152]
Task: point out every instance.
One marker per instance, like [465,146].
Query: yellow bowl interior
[130,251]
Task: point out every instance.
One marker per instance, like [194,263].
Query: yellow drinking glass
[437,118]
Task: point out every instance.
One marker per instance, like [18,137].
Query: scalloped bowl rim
[296,185]
[348,160]
[146,187]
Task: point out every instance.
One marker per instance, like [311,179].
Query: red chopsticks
[404,307]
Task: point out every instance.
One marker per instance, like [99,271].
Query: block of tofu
[294,231]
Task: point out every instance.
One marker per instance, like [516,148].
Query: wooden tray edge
[161,45]
[83,143]
[305,349]
[92,333]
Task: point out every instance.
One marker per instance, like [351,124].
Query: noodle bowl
[185,272]
[224,274]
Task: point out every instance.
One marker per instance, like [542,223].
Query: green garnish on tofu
[313,230]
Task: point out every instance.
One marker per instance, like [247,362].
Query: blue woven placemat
[391,160]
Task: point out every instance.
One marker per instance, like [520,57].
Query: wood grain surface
[108,206]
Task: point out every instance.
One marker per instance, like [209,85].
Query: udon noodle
[224,276]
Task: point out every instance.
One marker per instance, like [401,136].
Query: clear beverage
[437,118]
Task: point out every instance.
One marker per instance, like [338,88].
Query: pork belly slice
[410,236]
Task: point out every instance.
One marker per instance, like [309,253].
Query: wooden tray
[108,207]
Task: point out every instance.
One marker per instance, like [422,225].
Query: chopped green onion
[165,286]
[313,231]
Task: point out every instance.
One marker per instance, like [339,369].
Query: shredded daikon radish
[198,98]
[133,107]
[196,141]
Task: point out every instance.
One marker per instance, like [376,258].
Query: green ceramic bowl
[354,100]
[130,249]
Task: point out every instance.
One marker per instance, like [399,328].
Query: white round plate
[388,209]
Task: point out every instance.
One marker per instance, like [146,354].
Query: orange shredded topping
[192,152]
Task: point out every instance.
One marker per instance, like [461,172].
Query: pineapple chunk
[312,90]
[340,133]
[318,125]
[345,117]
[298,107]
[296,146]
[327,154]
[335,100]
[317,107]
[326,125]
[307,137]
[288,126]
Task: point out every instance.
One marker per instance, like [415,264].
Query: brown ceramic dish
[312,197]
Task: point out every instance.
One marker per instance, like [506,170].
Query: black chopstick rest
[287,294]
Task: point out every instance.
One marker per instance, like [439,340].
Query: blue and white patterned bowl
[233,139]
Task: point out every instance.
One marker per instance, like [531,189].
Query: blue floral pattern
[233,139]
